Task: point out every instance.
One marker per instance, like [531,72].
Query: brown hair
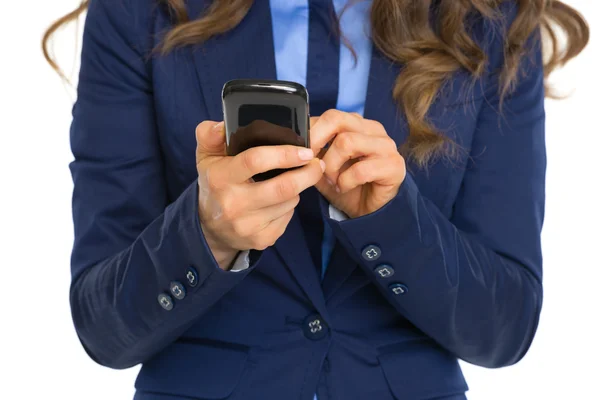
[401,30]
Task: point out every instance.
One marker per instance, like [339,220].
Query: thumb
[210,139]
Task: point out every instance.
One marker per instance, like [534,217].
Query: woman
[410,242]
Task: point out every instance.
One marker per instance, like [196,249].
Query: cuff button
[384,271]
[371,253]
[398,289]
[177,290]
[165,301]
[191,275]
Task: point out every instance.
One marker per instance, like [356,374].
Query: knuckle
[344,142]
[295,201]
[262,242]
[391,143]
[240,228]
[259,247]
[284,189]
[251,160]
[202,128]
[284,155]
[400,158]
[401,166]
[291,155]
[361,173]
[199,132]
[272,239]
[331,116]
[212,182]
[377,126]
[229,208]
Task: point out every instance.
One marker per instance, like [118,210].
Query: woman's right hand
[237,213]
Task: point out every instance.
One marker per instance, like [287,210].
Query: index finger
[325,127]
[261,159]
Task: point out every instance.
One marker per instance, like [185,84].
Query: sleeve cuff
[400,216]
[408,191]
[336,214]
[242,262]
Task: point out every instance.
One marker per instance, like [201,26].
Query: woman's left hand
[363,168]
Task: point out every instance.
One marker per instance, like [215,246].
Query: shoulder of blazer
[135,21]
[491,32]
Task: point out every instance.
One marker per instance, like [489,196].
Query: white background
[39,351]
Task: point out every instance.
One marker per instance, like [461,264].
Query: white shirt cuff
[242,262]
[336,214]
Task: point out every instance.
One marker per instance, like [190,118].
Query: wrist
[223,254]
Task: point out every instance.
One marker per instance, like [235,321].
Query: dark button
[177,290]
[371,253]
[192,276]
[384,271]
[314,327]
[398,289]
[165,301]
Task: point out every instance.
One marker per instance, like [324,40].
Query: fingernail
[218,127]
[329,181]
[337,189]
[322,165]
[306,154]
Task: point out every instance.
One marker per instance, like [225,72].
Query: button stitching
[384,271]
[398,288]
[165,301]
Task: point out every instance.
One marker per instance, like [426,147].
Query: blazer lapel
[293,250]
[247,52]
[379,106]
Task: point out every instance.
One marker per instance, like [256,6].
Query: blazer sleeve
[472,282]
[130,243]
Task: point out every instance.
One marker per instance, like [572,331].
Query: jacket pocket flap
[419,370]
[194,370]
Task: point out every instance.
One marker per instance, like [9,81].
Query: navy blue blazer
[462,238]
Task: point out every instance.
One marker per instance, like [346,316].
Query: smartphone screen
[275,114]
[264,125]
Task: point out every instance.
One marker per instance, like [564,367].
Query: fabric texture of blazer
[462,238]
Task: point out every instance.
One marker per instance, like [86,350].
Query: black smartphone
[265,113]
